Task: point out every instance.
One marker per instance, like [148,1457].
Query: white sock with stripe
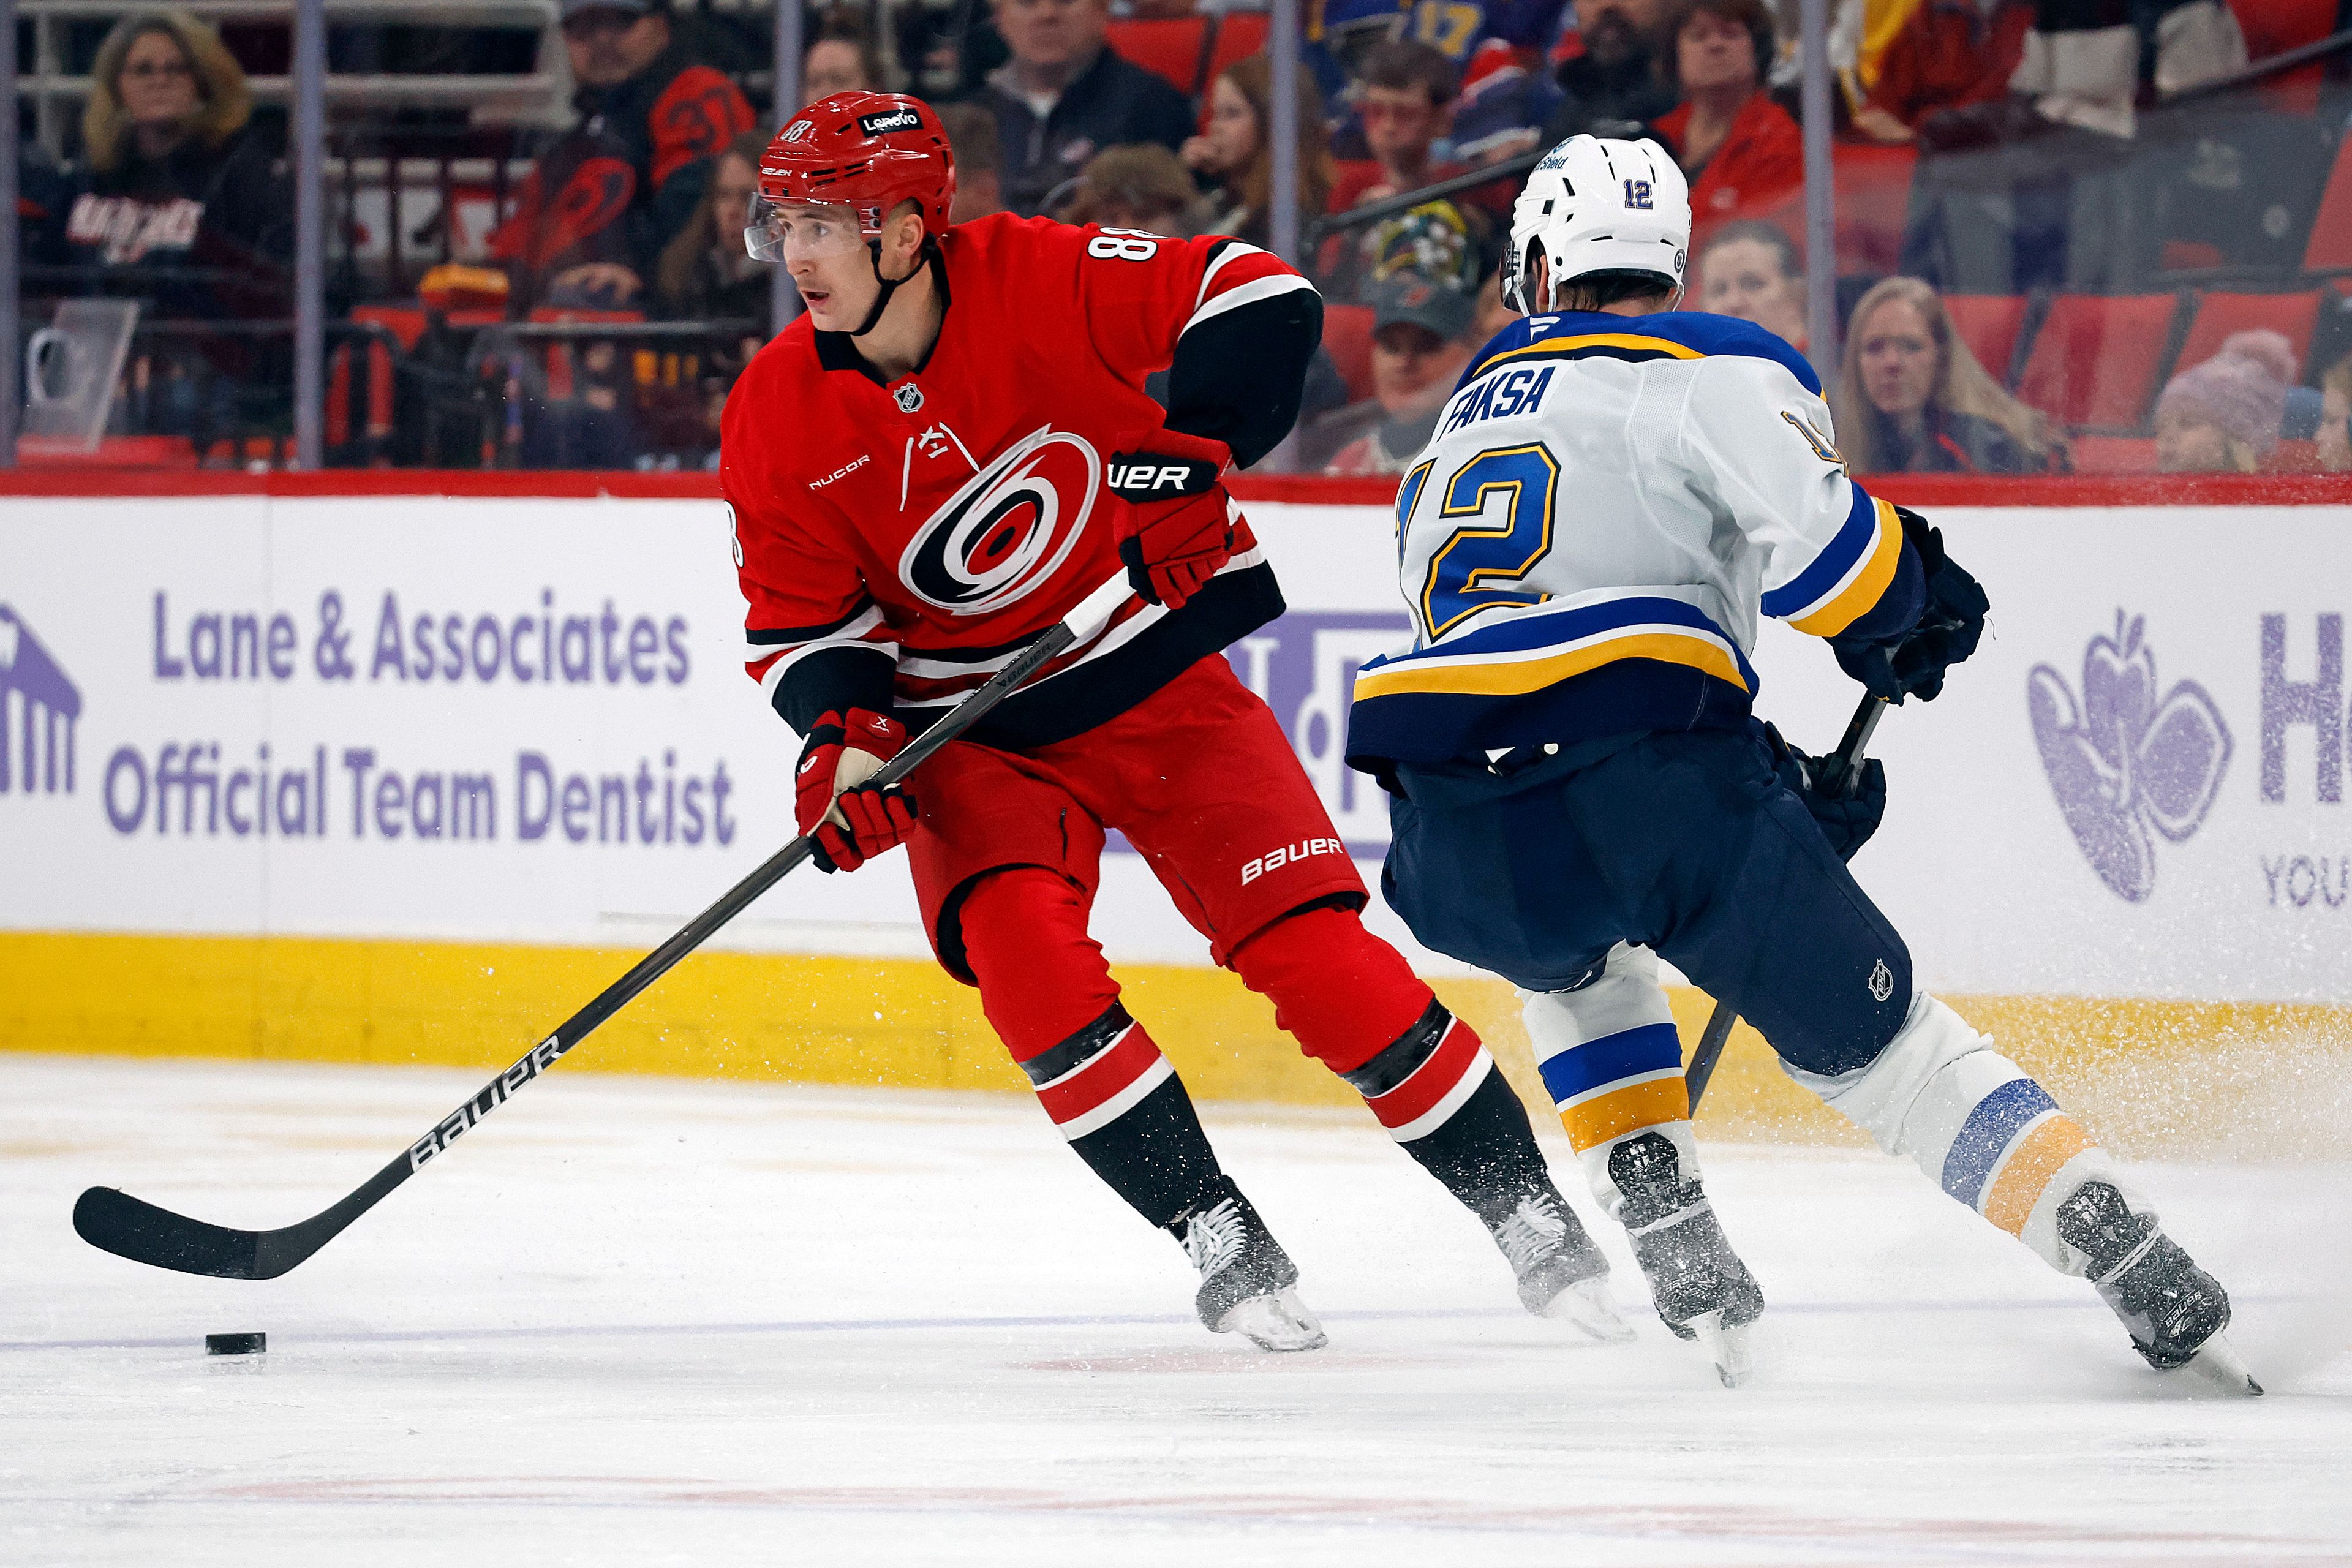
[1977,1124]
[1613,1064]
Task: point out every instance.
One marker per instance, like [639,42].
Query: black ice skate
[1248,1284]
[2174,1310]
[1561,1272]
[1701,1289]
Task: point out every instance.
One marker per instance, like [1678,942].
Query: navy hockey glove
[1846,819]
[1176,528]
[1913,665]
[851,820]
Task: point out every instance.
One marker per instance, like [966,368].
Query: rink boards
[399,778]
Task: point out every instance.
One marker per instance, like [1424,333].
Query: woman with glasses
[179,201]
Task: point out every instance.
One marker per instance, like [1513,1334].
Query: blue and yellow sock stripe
[2006,1152]
[1618,1084]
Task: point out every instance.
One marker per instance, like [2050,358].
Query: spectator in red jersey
[602,202]
[1404,96]
[1951,54]
[1235,152]
[1738,147]
[1749,270]
[1065,95]
[1912,399]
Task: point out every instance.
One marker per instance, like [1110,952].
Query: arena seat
[2275,26]
[1171,48]
[1240,34]
[1990,325]
[1348,338]
[2218,315]
[2095,359]
[2330,246]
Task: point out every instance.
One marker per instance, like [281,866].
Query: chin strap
[889,286]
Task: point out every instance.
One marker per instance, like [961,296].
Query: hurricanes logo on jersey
[1009,529]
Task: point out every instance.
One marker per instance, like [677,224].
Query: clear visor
[787,232]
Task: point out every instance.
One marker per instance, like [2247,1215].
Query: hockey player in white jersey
[1609,499]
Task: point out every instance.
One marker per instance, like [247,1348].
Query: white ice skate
[1726,1344]
[1248,1284]
[1561,1273]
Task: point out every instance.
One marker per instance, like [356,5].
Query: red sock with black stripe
[1351,1000]
[1048,992]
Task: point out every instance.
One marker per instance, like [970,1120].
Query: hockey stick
[128,1227]
[1844,772]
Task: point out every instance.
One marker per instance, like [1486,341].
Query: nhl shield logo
[909,397]
[1882,981]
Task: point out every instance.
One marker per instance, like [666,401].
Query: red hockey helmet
[867,151]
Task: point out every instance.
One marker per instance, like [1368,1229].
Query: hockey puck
[236,1344]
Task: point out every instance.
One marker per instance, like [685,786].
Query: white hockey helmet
[1597,205]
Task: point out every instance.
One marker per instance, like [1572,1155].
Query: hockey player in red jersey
[938,462]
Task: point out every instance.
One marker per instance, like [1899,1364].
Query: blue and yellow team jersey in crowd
[1605,505]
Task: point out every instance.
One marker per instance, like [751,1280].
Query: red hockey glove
[1176,528]
[851,820]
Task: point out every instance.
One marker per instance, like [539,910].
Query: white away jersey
[1603,507]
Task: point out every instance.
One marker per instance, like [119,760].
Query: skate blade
[2216,1371]
[1278,1321]
[1588,1305]
[1726,1345]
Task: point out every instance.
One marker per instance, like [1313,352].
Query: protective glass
[785,233]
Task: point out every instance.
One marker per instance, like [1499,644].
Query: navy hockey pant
[1685,843]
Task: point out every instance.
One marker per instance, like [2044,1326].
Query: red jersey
[1762,158]
[899,543]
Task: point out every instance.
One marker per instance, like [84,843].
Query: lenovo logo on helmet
[896,120]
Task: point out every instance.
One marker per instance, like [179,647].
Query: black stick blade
[116,1222]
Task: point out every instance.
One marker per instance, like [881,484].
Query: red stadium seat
[1240,34]
[2095,360]
[1167,46]
[2275,26]
[2218,315]
[2113,454]
[1990,325]
[1348,338]
[2330,248]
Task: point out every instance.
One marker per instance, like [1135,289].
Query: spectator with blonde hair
[1237,152]
[177,185]
[2222,416]
[1911,398]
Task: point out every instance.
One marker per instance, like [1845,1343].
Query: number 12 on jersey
[1506,496]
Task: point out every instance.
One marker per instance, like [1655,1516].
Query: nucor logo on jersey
[1275,860]
[458,1122]
[1009,529]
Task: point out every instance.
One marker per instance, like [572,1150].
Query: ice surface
[634,1320]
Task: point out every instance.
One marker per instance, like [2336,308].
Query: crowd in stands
[1985,148]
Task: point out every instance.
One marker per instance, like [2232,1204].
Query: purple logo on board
[39,704]
[2122,761]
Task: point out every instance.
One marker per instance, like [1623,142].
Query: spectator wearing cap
[1403,96]
[1912,399]
[1065,95]
[1949,54]
[1420,344]
[979,168]
[1736,145]
[597,207]
[2223,416]
[1237,154]
[841,59]
[1749,270]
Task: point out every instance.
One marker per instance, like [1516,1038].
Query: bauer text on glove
[1175,528]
